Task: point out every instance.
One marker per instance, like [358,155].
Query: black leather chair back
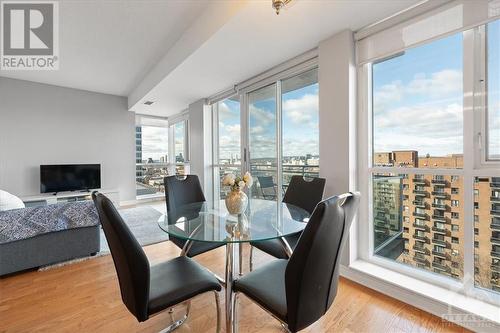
[312,273]
[182,191]
[304,193]
[131,263]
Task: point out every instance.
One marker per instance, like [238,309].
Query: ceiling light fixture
[279,4]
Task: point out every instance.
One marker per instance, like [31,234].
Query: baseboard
[128,203]
[436,307]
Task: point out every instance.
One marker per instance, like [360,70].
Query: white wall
[43,124]
[200,144]
[337,109]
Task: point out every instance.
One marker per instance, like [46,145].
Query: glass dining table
[210,222]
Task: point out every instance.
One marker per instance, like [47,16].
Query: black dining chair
[302,193]
[147,290]
[179,191]
[299,291]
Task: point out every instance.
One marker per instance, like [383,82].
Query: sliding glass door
[262,143]
[300,126]
[271,131]
[227,141]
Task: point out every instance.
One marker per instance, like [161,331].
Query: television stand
[59,197]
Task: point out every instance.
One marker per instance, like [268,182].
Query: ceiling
[253,40]
[109,46]
[175,52]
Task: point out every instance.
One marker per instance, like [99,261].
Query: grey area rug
[143,223]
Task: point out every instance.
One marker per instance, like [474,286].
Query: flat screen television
[69,177]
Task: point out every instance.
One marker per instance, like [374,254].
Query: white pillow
[9,201]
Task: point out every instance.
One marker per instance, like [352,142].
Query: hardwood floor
[84,297]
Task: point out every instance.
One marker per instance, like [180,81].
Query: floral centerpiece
[237,200]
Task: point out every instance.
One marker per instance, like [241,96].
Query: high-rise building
[138,152]
[425,212]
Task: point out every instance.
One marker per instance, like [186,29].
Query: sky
[299,126]
[154,142]
[494,87]
[418,100]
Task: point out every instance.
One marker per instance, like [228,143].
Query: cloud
[439,84]
[154,142]
[435,129]
[261,116]
[256,130]
[224,109]
[301,110]
[424,114]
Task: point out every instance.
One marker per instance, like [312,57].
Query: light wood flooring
[84,297]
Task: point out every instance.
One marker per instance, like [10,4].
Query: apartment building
[425,212]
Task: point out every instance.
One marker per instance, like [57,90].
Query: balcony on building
[420,180]
[421,215]
[440,206]
[495,224]
[442,268]
[443,255]
[439,182]
[441,194]
[495,253]
[420,193]
[441,231]
[421,238]
[421,260]
[438,216]
[495,199]
[495,268]
[441,242]
[495,210]
[421,227]
[495,183]
[495,240]
[421,249]
[420,204]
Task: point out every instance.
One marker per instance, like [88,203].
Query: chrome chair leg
[250,261]
[285,328]
[240,250]
[235,313]
[217,304]
[171,314]
[176,323]
[188,308]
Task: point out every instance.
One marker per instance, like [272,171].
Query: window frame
[184,118]
[475,164]
[166,164]
[215,145]
[277,78]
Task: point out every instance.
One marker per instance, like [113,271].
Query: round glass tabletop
[210,222]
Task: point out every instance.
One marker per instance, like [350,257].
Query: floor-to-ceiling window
[418,127]
[180,158]
[431,158]
[152,158]
[262,143]
[271,131]
[227,141]
[300,126]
